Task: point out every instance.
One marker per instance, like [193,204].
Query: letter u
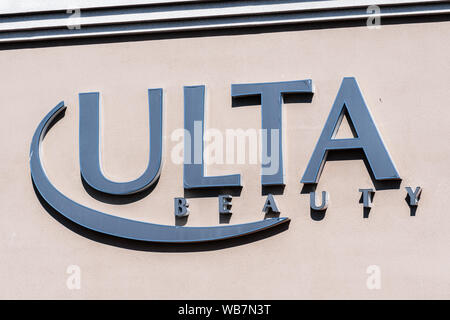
[90,165]
[325,199]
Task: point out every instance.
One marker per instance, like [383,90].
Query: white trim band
[186,15]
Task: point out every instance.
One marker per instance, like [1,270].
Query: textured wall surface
[404,74]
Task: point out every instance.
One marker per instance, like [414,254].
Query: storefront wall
[403,71]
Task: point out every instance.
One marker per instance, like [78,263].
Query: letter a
[368,139]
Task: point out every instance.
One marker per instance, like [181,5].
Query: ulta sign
[349,102]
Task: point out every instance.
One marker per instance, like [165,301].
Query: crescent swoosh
[122,227]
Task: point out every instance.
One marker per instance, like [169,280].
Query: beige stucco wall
[404,74]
